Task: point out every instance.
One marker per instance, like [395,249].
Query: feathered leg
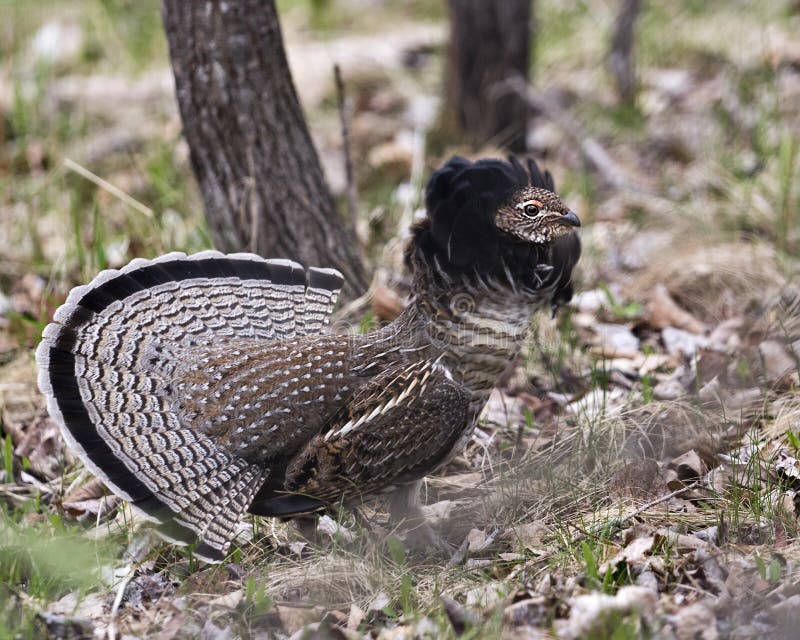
[406,515]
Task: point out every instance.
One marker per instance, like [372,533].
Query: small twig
[614,524]
[112,619]
[135,555]
[619,523]
[352,192]
[459,616]
[107,186]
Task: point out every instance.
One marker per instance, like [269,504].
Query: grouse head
[535,215]
[495,218]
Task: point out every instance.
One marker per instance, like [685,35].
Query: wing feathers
[397,427]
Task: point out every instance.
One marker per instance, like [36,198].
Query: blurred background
[706,142]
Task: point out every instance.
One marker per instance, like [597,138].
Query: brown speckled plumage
[205,386]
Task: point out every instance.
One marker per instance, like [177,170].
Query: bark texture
[490,41]
[621,53]
[251,149]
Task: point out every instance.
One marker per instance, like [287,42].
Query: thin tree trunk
[621,54]
[490,42]
[251,150]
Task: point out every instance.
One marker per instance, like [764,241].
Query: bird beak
[570,219]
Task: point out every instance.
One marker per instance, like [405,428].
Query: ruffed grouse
[202,387]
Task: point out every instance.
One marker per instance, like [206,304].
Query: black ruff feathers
[460,235]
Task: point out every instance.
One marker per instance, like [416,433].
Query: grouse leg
[406,515]
[306,527]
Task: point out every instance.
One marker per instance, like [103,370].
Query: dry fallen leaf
[93,508]
[502,409]
[681,344]
[598,613]
[725,336]
[529,535]
[779,366]
[210,630]
[787,614]
[66,626]
[648,579]
[354,617]
[26,295]
[172,627]
[531,611]
[663,312]
[476,539]
[681,542]
[8,342]
[787,466]
[632,554]
[91,490]
[713,572]
[228,600]
[94,606]
[333,529]
[669,389]
[695,622]
[392,158]
[615,340]
[379,602]
[38,441]
[689,467]
[487,595]
[294,618]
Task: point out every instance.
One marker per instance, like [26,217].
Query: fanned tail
[105,366]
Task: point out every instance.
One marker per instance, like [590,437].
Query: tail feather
[223,505]
[320,297]
[106,365]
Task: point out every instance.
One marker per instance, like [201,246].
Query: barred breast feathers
[107,367]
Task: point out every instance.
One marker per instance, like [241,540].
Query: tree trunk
[621,53]
[489,42]
[251,150]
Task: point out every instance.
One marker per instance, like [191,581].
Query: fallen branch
[620,523]
[591,149]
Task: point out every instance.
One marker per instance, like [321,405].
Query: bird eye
[531,210]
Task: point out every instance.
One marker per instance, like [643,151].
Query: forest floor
[637,473]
